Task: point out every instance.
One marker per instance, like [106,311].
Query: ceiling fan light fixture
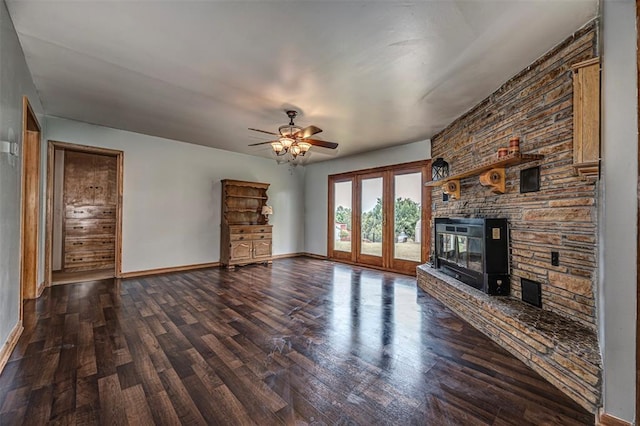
[295,150]
[286,142]
[277,147]
[304,147]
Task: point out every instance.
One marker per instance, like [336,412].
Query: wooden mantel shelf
[491,174]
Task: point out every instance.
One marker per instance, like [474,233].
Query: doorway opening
[84,213]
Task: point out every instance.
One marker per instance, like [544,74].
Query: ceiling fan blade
[264,131]
[261,143]
[307,131]
[323,144]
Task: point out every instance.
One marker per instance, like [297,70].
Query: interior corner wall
[316,190]
[617,298]
[15,82]
[172,195]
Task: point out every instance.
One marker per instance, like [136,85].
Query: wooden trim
[40,289]
[605,419]
[85,148]
[638,220]
[585,63]
[48,239]
[10,344]
[52,145]
[28,290]
[314,256]
[286,256]
[172,269]
[120,186]
[409,165]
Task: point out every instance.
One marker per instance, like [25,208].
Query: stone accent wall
[537,106]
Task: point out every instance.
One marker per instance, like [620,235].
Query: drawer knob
[261,236]
[78,227]
[78,211]
[241,238]
[77,244]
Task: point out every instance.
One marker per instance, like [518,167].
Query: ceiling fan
[294,142]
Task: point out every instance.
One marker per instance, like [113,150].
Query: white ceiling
[371,74]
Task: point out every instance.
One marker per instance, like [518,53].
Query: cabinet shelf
[492,173]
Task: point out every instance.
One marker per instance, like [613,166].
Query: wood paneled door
[85,184]
[30,204]
[380,217]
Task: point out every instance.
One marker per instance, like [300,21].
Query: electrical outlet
[555,258]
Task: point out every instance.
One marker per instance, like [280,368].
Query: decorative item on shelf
[266,211]
[495,178]
[514,145]
[452,189]
[439,169]
[502,152]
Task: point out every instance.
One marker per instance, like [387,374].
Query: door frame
[29,124]
[387,264]
[52,145]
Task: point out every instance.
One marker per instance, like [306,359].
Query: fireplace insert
[474,251]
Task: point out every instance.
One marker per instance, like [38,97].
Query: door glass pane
[407,209]
[371,220]
[342,216]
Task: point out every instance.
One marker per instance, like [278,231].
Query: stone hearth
[563,351]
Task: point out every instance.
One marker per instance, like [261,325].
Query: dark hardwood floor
[301,342]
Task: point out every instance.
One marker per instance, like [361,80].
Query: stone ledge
[562,351]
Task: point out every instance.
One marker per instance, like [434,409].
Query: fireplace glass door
[475,254]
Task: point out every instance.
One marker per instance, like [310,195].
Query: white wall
[316,185]
[619,208]
[171,204]
[15,81]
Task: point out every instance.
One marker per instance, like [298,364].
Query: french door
[380,217]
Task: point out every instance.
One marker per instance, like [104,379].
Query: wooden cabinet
[245,235]
[90,199]
[586,117]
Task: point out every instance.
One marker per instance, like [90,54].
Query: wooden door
[240,251]
[30,209]
[408,219]
[78,178]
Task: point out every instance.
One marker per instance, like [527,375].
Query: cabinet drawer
[73,258]
[250,229]
[250,237]
[89,243]
[80,227]
[91,212]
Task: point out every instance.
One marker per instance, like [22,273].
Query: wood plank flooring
[304,341]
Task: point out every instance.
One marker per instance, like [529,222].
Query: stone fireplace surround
[558,341]
[564,352]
